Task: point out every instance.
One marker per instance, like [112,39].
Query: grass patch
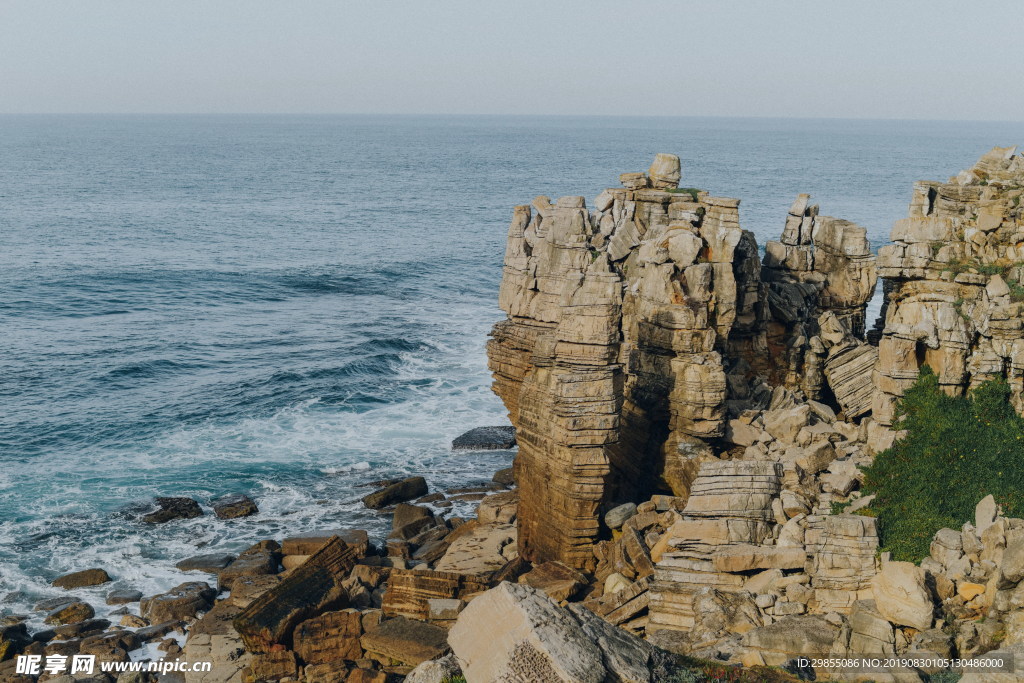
[956,451]
[692,191]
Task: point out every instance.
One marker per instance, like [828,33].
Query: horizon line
[522,116]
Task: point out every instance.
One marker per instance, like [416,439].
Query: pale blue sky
[940,59]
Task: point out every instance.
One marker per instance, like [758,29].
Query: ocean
[293,306]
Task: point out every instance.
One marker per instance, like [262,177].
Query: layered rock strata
[955,268]
[637,329]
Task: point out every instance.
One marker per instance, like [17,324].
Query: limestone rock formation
[637,329]
[956,300]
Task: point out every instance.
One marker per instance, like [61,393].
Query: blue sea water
[291,306]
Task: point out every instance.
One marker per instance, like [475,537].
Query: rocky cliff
[955,296]
[637,329]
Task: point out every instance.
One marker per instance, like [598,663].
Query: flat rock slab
[486,439]
[407,640]
[400,492]
[311,541]
[211,563]
[123,597]
[743,558]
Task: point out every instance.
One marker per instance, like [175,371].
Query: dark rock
[404,490]
[410,520]
[181,603]
[63,647]
[70,614]
[432,498]
[311,541]
[13,640]
[173,508]
[108,646]
[218,621]
[486,439]
[406,640]
[310,589]
[234,505]
[50,604]
[123,597]
[258,560]
[80,630]
[159,630]
[505,477]
[512,570]
[82,579]
[210,563]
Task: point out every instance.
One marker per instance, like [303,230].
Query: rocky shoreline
[693,414]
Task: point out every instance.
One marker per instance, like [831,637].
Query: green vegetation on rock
[955,452]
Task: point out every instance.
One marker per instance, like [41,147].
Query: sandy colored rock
[901,595]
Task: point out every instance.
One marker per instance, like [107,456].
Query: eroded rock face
[626,323]
[955,300]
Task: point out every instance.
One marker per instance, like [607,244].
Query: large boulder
[486,439]
[665,171]
[516,633]
[901,595]
[82,579]
[182,602]
[791,636]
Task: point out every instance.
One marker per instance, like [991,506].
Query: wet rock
[181,603]
[159,630]
[173,508]
[400,492]
[234,505]
[82,579]
[71,613]
[486,439]
[50,604]
[110,646]
[210,563]
[13,639]
[406,640]
[123,597]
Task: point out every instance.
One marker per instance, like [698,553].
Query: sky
[785,58]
